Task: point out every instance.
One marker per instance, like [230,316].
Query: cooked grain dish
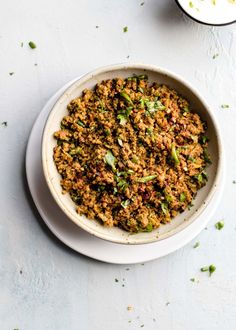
[131,154]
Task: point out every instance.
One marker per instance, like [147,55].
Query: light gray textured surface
[46,286]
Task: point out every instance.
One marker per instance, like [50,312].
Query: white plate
[78,239]
[210,12]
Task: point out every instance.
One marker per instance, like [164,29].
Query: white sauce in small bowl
[213,12]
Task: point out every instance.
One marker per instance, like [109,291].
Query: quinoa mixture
[131,154]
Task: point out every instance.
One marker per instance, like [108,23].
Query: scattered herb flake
[205,269]
[21,44]
[32,45]
[142,3]
[11,73]
[196,245]
[192,279]
[125,29]
[190,4]
[168,303]
[116,280]
[212,269]
[213,2]
[97,26]
[4,123]
[219,225]
[234,181]
[225,106]
[215,56]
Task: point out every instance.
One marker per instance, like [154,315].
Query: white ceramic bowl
[197,103]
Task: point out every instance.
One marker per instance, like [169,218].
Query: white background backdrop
[46,286]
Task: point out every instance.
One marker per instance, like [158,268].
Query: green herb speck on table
[142,3]
[219,225]
[234,181]
[215,56]
[191,4]
[32,45]
[224,106]
[4,123]
[11,73]
[196,245]
[21,44]
[125,29]
[116,280]
[97,26]
[211,269]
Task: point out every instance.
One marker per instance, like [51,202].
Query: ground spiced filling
[131,153]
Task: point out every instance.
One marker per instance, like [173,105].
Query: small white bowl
[197,103]
[210,12]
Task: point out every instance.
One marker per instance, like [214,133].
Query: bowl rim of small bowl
[145,67]
[203,22]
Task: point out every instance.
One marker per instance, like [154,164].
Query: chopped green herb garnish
[186,109]
[164,208]
[204,139]
[142,3]
[11,73]
[110,160]
[190,4]
[32,45]
[21,44]
[125,203]
[149,131]
[213,2]
[174,155]
[125,29]
[75,151]
[192,279]
[125,96]
[153,106]
[191,158]
[149,228]
[135,160]
[146,178]
[80,123]
[124,115]
[182,197]
[219,225]
[196,245]
[116,280]
[4,123]
[122,184]
[215,56]
[224,106]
